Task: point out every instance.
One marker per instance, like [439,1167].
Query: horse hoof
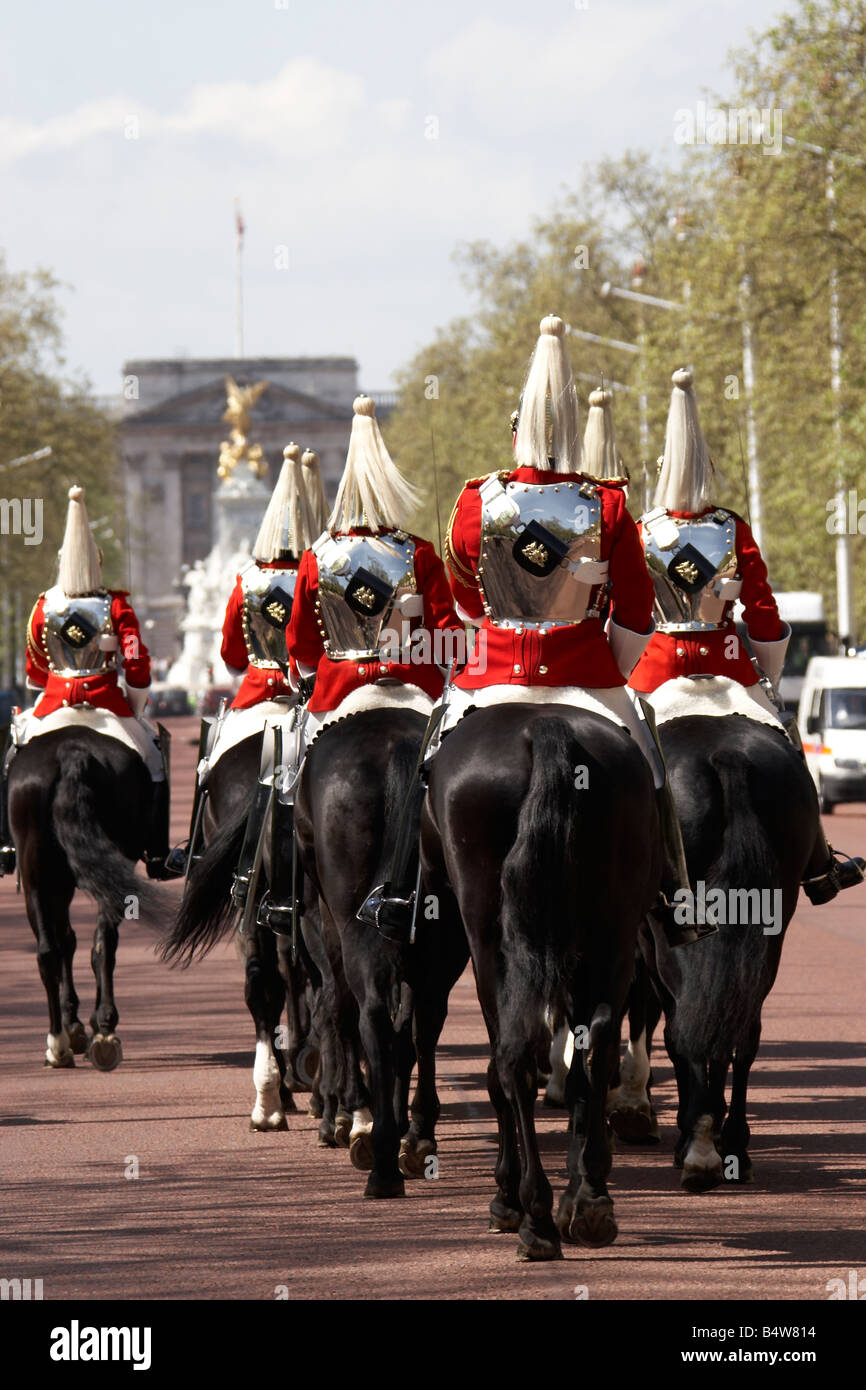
[77,1038]
[342,1130]
[326,1141]
[593,1224]
[503,1219]
[535,1248]
[315,1108]
[305,1067]
[701,1179]
[361,1152]
[264,1124]
[634,1126]
[105,1051]
[414,1153]
[59,1060]
[384,1187]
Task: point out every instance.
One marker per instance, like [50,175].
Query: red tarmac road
[219,1212]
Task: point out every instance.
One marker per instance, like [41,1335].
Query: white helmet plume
[287,526]
[372,491]
[547,426]
[80,570]
[315,491]
[600,455]
[686,473]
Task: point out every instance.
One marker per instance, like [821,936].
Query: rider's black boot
[156,849]
[840,873]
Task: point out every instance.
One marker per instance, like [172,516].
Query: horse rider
[371,597]
[536,552]
[254,637]
[80,637]
[702,557]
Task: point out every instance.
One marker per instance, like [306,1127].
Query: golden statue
[239,402]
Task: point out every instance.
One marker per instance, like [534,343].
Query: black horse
[541,830]
[749,815]
[79,808]
[272,981]
[388,1000]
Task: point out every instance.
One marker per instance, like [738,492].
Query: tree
[737,234]
[40,408]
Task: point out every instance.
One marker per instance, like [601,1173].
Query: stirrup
[842,873]
[240,890]
[681,933]
[8,859]
[157,868]
[176,858]
[277,916]
[396,923]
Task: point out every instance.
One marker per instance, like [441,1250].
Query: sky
[364,140]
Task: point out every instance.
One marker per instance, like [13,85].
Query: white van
[832,720]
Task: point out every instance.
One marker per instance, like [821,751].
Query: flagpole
[239,281]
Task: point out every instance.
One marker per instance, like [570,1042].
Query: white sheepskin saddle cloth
[382,695]
[612,702]
[239,724]
[713,695]
[136,734]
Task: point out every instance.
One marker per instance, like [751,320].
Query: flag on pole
[239,224]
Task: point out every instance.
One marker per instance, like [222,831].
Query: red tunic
[337,679]
[577,654]
[718,653]
[260,682]
[101,691]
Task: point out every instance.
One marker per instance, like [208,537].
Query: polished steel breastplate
[363,581]
[694,571]
[267,607]
[72,632]
[540,560]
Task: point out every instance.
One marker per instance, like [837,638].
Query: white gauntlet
[770,656]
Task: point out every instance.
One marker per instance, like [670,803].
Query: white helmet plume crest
[287,527]
[315,491]
[372,491]
[686,473]
[600,455]
[547,426]
[80,570]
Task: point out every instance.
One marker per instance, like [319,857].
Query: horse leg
[585,1213]
[404,1060]
[629,1108]
[735,1136]
[374,1139]
[42,912]
[701,1161]
[441,953]
[68,997]
[105,1050]
[264,993]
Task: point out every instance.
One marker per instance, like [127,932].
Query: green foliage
[40,408]
[738,235]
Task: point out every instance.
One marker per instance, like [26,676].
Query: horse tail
[538,872]
[206,912]
[726,978]
[98,865]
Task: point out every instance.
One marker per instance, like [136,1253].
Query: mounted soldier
[254,640]
[370,595]
[702,558]
[80,638]
[537,553]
